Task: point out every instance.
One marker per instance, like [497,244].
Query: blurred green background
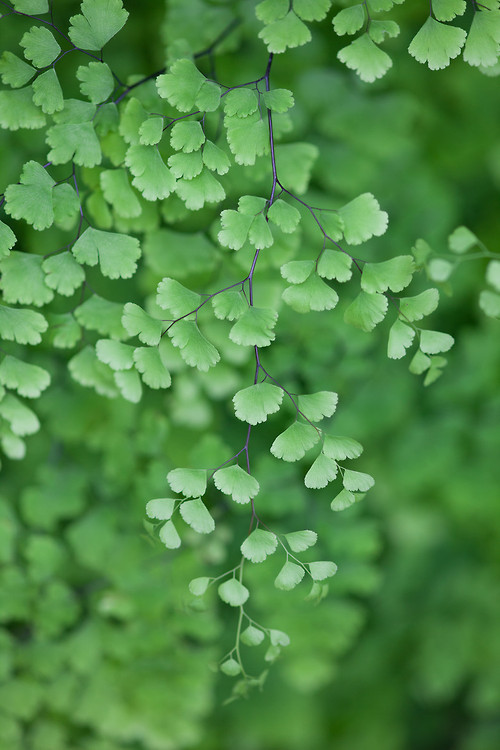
[101,645]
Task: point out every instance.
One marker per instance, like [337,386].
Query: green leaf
[187,135]
[439,270]
[235,481]
[312,10]
[188,482]
[260,234]
[340,447]
[333,225]
[196,350]
[22,326]
[87,370]
[312,294]
[446,10]
[28,380]
[63,273]
[362,219]
[31,7]
[255,403]
[252,636]
[294,442]
[433,342]
[98,22]
[18,111]
[73,141]
[160,508]
[315,406]
[117,254]
[343,500]
[323,471]
[335,265]
[279,638]
[349,20]
[181,85]
[186,166]
[247,137]
[461,240]
[400,338]
[215,159]
[169,536]
[235,228]
[436,44]
[489,302]
[117,191]
[23,281]
[357,481]
[493,274]
[197,516]
[297,271]
[298,541]
[151,131]
[39,46]
[151,176]
[481,47]
[255,327]
[229,305]
[22,420]
[366,311]
[14,71]
[148,361]
[240,102]
[96,81]
[233,592]
[258,545]
[64,331]
[31,200]
[289,576]
[420,363]
[137,322]
[115,354]
[287,32]
[129,385]
[365,58]
[296,162]
[380,29]
[66,205]
[230,667]
[271,10]
[208,97]
[198,586]
[435,370]
[47,92]
[7,240]
[321,570]
[203,188]
[285,216]
[394,274]
[101,315]
[176,298]
[278,100]
[416,308]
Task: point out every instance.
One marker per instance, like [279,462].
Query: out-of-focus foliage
[102,645]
